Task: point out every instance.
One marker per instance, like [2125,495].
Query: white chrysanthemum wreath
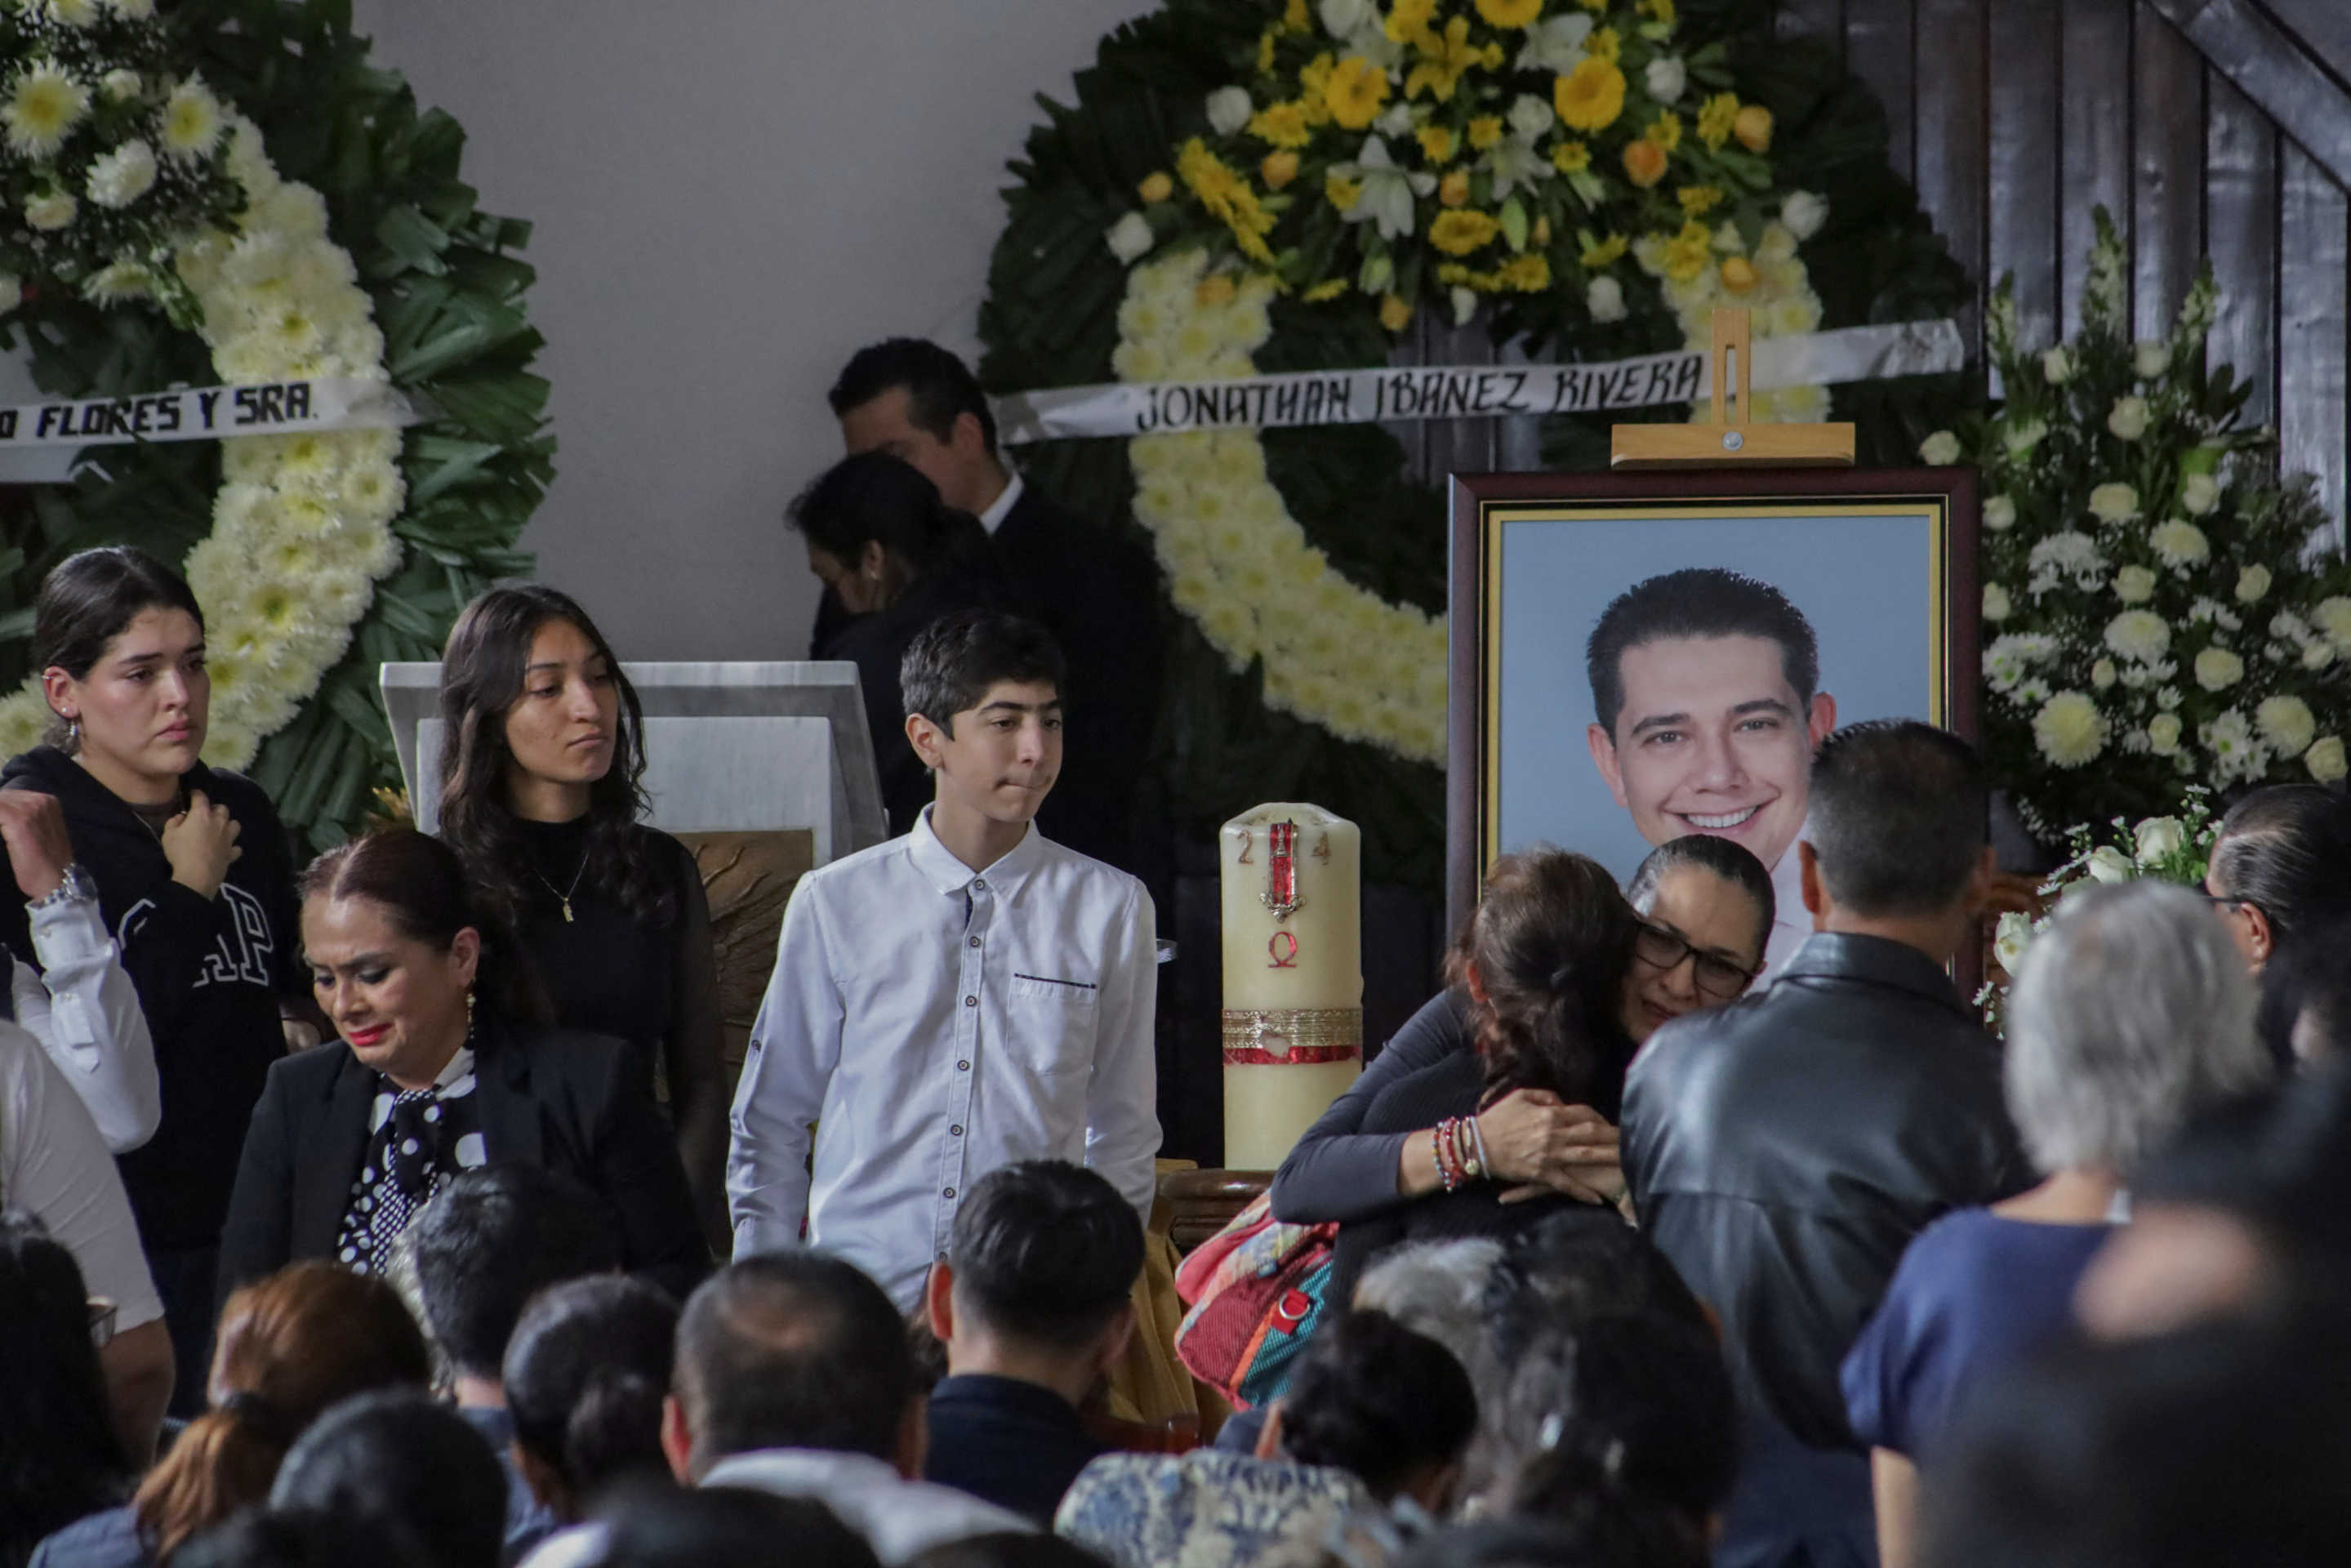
[1237,561]
[301,527]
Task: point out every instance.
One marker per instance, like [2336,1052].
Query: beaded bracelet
[1448,1157]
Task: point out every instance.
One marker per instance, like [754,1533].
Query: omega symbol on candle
[1283,946]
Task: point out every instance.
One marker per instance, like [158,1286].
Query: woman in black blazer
[446,1063]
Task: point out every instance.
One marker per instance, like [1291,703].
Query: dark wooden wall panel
[1822,19]
[2094,134]
[1951,141]
[2168,172]
[2313,324]
[2021,158]
[1880,45]
[2240,220]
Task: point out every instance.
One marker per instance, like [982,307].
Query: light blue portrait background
[1861,580]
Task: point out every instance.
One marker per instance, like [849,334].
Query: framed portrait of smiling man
[1639,657]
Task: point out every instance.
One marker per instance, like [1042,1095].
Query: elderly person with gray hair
[2131,1014]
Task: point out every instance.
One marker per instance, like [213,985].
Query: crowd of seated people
[388,1210]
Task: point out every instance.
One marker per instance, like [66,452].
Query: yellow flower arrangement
[1665,131]
[1644,163]
[1528,273]
[1738,274]
[1571,157]
[1453,190]
[1445,58]
[1463,230]
[1699,200]
[1590,96]
[1688,251]
[1395,313]
[1753,128]
[1717,118]
[1510,13]
[1604,44]
[1355,92]
[1282,125]
[1436,145]
[1485,129]
[1597,254]
[1408,20]
[1227,198]
[1341,192]
[1278,170]
[1157,186]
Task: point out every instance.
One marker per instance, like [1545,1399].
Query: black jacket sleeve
[636,1166]
[1338,1172]
[257,1238]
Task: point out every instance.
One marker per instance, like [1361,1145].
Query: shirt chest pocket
[1052,1019]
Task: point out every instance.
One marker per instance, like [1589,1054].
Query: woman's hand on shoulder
[1538,1144]
[201,843]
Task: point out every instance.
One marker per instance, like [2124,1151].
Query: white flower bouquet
[107,160]
[2156,613]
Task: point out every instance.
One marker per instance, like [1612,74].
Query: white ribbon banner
[206,414]
[1469,392]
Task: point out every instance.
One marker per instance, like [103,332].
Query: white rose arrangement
[2153,615]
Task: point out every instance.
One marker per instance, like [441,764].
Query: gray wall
[730,195]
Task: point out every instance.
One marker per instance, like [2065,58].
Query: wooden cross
[1730,441]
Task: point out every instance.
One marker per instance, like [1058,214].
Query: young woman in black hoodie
[194,879]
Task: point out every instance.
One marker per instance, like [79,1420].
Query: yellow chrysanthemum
[44,103]
[1665,131]
[1716,120]
[1604,45]
[1753,128]
[1341,192]
[1738,274]
[1687,253]
[1590,96]
[1485,130]
[1445,58]
[1355,92]
[1408,20]
[1227,198]
[1264,43]
[1328,288]
[1597,254]
[1510,13]
[1314,77]
[1463,230]
[1453,190]
[1436,143]
[1282,125]
[1278,170]
[1395,313]
[1698,200]
[1157,186]
[1295,18]
[1571,157]
[1528,273]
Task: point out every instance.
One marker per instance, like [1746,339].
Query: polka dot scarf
[418,1138]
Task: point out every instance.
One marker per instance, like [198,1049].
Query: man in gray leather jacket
[1783,1151]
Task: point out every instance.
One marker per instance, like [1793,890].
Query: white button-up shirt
[937,1023]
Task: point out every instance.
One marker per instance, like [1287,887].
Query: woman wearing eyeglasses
[1693,926]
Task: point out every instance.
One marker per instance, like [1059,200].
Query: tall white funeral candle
[1293,935]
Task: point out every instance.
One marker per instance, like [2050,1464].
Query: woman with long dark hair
[1544,963]
[897,558]
[448,1062]
[542,795]
[59,1457]
[193,876]
[290,1345]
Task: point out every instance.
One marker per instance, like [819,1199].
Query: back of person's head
[1611,1530]
[1734,862]
[792,1349]
[939,387]
[1374,1398]
[1900,816]
[2306,1009]
[302,1538]
[2220,1444]
[951,664]
[427,895]
[645,1525]
[1544,956]
[2286,851]
[286,1348]
[1045,1252]
[1696,601]
[401,1457]
[89,599]
[59,1457]
[1570,1267]
[1434,1288]
[490,1240]
[1008,1549]
[1639,1403]
[585,1374]
[2131,1012]
[877,499]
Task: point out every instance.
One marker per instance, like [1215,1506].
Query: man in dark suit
[1093,587]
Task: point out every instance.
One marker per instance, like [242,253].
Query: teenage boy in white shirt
[965,996]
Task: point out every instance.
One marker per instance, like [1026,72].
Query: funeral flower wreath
[132,183]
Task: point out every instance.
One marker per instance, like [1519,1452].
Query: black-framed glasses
[1718,979]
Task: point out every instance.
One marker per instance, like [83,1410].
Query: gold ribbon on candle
[1289,1037]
